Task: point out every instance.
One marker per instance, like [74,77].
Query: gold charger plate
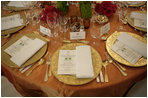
[136,5]
[131,21]
[69,79]
[110,41]
[6,58]
[13,30]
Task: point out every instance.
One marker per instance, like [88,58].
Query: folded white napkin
[140,23]
[27,51]
[134,2]
[133,43]
[19,3]
[136,15]
[11,22]
[84,67]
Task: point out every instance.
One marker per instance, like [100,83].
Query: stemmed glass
[53,23]
[122,12]
[93,30]
[64,25]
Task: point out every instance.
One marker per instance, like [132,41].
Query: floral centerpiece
[50,12]
[106,8]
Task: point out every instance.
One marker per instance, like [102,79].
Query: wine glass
[122,12]
[53,23]
[64,25]
[94,31]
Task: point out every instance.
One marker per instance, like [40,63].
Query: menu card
[11,22]
[18,45]
[23,49]
[125,52]
[67,62]
[133,43]
[84,67]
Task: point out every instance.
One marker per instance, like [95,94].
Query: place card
[67,62]
[133,43]
[125,52]
[104,29]
[18,45]
[45,31]
[77,35]
[140,23]
[11,22]
[84,66]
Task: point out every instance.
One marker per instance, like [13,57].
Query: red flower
[49,11]
[108,12]
[106,8]
[97,7]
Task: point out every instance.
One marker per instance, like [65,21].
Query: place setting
[12,23]
[122,48]
[17,52]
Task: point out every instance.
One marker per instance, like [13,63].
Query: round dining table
[34,85]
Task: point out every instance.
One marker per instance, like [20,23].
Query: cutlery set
[104,64]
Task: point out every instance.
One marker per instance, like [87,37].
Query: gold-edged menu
[131,21]
[69,79]
[110,41]
[13,30]
[6,58]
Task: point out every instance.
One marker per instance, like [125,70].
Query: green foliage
[85,8]
[62,6]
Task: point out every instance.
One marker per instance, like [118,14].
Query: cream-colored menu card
[67,62]
[125,52]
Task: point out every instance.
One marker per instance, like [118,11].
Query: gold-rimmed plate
[69,79]
[13,30]
[131,21]
[110,41]
[6,58]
